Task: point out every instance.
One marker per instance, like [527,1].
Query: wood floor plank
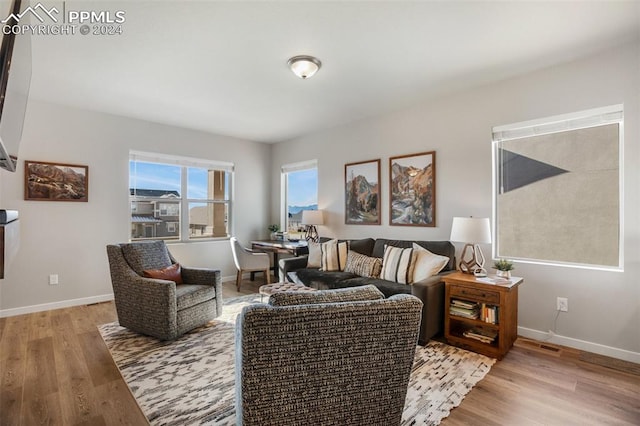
[40,403]
[3,322]
[13,359]
[41,409]
[39,325]
[118,406]
[77,396]
[97,358]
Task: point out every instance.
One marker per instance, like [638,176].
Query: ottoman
[269,289]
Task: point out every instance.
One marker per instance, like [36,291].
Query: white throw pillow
[334,255]
[315,255]
[396,264]
[426,264]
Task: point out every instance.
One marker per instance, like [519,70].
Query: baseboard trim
[55,305]
[595,348]
[74,302]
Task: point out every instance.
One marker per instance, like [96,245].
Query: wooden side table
[479,315]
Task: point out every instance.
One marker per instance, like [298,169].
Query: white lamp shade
[471,230]
[312,217]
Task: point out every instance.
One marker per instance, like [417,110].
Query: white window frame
[284,188]
[185,163]
[613,114]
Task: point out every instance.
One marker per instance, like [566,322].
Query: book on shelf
[485,336]
[462,308]
[463,304]
[489,313]
[465,313]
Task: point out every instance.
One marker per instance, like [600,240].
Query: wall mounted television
[15,78]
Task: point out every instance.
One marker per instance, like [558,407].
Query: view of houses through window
[158,203]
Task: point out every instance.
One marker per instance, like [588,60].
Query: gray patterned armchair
[157,307]
[332,357]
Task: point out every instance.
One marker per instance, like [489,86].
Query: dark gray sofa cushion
[323,279]
[388,288]
[363,246]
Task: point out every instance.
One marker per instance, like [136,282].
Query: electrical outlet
[562,304]
[53,279]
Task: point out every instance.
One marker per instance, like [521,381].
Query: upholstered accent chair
[162,308]
[247,260]
[330,357]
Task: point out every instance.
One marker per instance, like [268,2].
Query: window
[157,188]
[169,209]
[300,189]
[558,190]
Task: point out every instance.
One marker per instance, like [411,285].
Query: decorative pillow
[315,255]
[171,273]
[334,255]
[362,265]
[396,264]
[425,263]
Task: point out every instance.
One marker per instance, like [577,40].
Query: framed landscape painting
[412,187]
[55,182]
[362,193]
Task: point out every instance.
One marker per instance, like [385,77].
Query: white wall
[69,239]
[604,307]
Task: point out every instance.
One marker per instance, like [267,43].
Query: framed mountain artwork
[362,193]
[55,182]
[412,187]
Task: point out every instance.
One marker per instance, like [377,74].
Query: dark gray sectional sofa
[430,290]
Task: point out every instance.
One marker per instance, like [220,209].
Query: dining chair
[247,260]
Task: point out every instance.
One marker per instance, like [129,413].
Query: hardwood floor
[56,370]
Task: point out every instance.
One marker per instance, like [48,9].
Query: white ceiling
[221,66]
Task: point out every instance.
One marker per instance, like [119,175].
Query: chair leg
[267,276]
[239,279]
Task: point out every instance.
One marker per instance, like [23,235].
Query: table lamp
[471,231]
[311,218]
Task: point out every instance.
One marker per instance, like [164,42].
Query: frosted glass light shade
[304,66]
[312,217]
[471,230]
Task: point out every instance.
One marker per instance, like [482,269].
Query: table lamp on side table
[311,218]
[471,231]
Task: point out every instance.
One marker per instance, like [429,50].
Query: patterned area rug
[191,380]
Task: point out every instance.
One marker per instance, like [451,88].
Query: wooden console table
[295,248]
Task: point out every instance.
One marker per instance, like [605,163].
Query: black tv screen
[15,78]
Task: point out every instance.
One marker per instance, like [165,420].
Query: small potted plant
[503,267]
[273,229]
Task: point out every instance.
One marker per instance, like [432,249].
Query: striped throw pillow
[396,264]
[334,255]
[362,265]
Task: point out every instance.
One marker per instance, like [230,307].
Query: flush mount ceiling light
[304,66]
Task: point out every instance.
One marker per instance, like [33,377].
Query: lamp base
[311,234]
[473,264]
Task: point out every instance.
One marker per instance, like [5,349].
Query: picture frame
[362,193]
[44,181]
[412,190]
